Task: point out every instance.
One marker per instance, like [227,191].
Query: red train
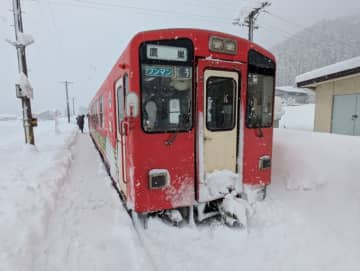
[184,118]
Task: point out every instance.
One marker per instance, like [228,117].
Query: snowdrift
[30,180]
[307,161]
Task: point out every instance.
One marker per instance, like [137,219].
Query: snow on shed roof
[332,71]
[293,89]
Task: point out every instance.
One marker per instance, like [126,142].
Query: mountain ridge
[324,43]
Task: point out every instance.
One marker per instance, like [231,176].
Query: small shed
[294,96]
[337,96]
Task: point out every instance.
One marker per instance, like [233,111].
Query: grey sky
[79,40]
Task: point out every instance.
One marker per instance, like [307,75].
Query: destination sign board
[164,52]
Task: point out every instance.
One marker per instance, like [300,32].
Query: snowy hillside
[59,211]
[324,43]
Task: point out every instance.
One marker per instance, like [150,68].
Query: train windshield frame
[260,91]
[166,82]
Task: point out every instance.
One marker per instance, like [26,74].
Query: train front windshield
[166,98]
[260,94]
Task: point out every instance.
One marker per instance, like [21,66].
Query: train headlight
[158,178]
[222,45]
[265,162]
[230,46]
[217,44]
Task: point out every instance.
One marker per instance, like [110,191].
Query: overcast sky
[79,40]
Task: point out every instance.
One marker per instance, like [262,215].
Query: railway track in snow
[139,229]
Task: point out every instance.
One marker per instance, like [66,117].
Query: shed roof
[337,70]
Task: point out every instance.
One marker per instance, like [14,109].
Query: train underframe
[233,210]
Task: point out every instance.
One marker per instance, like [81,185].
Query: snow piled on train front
[219,183]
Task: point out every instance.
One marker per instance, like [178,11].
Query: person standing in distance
[80,122]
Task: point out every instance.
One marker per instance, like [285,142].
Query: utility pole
[73,105]
[67,83]
[28,121]
[250,19]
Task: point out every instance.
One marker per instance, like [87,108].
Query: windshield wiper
[259,130]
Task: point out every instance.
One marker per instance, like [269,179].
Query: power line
[102,6]
[106,8]
[211,5]
[276,30]
[283,19]
[94,4]
[57,34]
[148,9]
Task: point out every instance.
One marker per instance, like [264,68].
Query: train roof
[195,33]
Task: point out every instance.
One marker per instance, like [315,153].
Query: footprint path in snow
[89,230]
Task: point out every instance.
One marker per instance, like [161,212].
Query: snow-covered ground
[59,211]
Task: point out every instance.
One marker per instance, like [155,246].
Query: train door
[120,137]
[219,124]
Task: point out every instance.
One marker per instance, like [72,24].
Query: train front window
[260,94]
[166,98]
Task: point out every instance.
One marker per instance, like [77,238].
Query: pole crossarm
[251,18]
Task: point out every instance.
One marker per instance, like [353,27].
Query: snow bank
[299,117]
[279,108]
[30,178]
[310,160]
[319,173]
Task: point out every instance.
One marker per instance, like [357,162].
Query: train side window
[101,111]
[120,104]
[220,103]
[126,84]
[96,115]
[93,114]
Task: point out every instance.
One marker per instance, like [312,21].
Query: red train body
[183,115]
